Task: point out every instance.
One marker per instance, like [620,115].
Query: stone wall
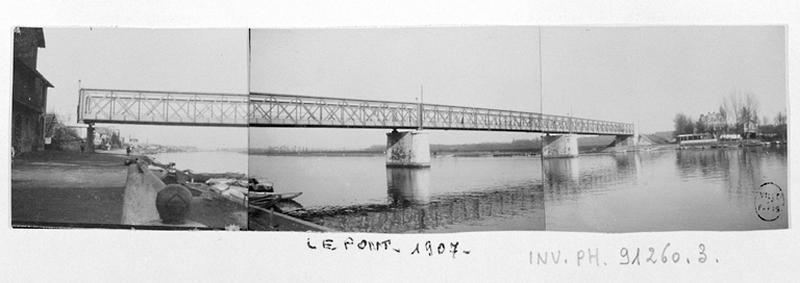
[27,127]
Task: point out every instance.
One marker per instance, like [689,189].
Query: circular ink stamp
[770,201]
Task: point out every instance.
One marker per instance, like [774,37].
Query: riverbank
[74,187]
[519,208]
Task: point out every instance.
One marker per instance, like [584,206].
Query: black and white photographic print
[413,141]
[587,129]
[401,130]
[709,110]
[126,128]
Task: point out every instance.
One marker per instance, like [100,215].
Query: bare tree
[723,115]
[731,105]
[749,110]
[59,132]
[740,110]
[683,124]
[780,119]
[701,126]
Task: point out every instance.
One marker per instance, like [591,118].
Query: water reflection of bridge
[566,179]
[410,206]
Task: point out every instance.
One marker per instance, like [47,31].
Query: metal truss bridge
[277,110]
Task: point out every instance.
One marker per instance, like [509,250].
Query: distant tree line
[737,114]
[116,141]
[59,133]
[514,145]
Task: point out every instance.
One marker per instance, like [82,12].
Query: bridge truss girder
[276,110]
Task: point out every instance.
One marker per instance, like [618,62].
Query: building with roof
[29,94]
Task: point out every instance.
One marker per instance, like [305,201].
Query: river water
[631,192]
[712,189]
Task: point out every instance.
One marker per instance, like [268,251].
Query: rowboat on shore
[235,187]
[228,188]
[263,195]
[255,193]
[280,202]
[260,195]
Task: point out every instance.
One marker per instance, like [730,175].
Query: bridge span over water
[279,110]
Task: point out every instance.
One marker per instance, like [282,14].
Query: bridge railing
[290,110]
[457,117]
[153,107]
[277,110]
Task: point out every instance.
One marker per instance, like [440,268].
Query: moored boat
[263,195]
[255,193]
[258,195]
[699,141]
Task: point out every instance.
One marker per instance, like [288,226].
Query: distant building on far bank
[713,122]
[750,130]
[29,92]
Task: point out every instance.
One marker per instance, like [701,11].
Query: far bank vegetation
[737,114]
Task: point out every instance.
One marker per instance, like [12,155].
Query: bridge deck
[276,110]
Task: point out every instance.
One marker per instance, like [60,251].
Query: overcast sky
[201,60]
[643,75]
[634,74]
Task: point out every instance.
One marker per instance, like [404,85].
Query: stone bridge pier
[89,143]
[563,146]
[408,149]
[566,146]
[626,140]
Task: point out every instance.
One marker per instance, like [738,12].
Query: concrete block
[139,201]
